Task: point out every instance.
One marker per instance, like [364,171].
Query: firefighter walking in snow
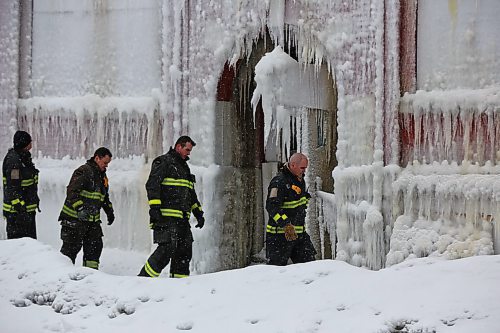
[80,218]
[286,203]
[20,188]
[172,198]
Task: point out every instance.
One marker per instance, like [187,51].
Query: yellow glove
[290,233]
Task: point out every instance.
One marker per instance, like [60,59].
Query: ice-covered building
[395,102]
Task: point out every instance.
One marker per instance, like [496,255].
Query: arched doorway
[239,151]
[247,168]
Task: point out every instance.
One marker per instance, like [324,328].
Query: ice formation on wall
[461,49]
[9,70]
[126,125]
[448,214]
[271,75]
[107,48]
[452,125]
[447,202]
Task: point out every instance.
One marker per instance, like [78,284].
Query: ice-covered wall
[345,40]
[361,223]
[9,67]
[461,47]
[351,42]
[102,62]
[446,201]
[107,48]
[445,210]
[215,32]
[77,126]
[461,125]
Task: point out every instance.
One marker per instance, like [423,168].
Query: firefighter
[20,188]
[286,203]
[172,199]
[80,219]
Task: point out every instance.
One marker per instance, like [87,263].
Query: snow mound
[43,292]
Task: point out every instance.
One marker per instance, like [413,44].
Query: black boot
[143,272]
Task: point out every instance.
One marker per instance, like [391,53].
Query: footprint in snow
[185,326]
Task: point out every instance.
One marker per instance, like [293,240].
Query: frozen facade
[395,102]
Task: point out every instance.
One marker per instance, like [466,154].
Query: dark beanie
[21,140]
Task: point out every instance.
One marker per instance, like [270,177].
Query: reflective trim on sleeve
[30,181]
[196,206]
[77,204]
[154,202]
[177,182]
[31,208]
[295,204]
[27,182]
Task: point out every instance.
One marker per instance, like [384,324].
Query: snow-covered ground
[43,292]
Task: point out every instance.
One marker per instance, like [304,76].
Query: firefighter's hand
[201,222]
[111,217]
[155,214]
[290,233]
[83,214]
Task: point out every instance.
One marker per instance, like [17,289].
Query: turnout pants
[21,225]
[175,244]
[279,250]
[77,234]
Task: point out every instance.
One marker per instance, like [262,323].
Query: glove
[290,233]
[111,217]
[83,214]
[201,222]
[71,224]
[155,214]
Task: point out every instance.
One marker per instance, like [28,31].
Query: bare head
[298,164]
[102,157]
[184,145]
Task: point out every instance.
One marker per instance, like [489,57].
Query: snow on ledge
[436,101]
[90,103]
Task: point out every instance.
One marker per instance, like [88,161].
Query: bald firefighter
[287,199]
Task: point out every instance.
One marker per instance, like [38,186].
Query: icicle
[99,121]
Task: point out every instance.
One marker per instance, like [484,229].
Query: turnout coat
[20,184]
[170,187]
